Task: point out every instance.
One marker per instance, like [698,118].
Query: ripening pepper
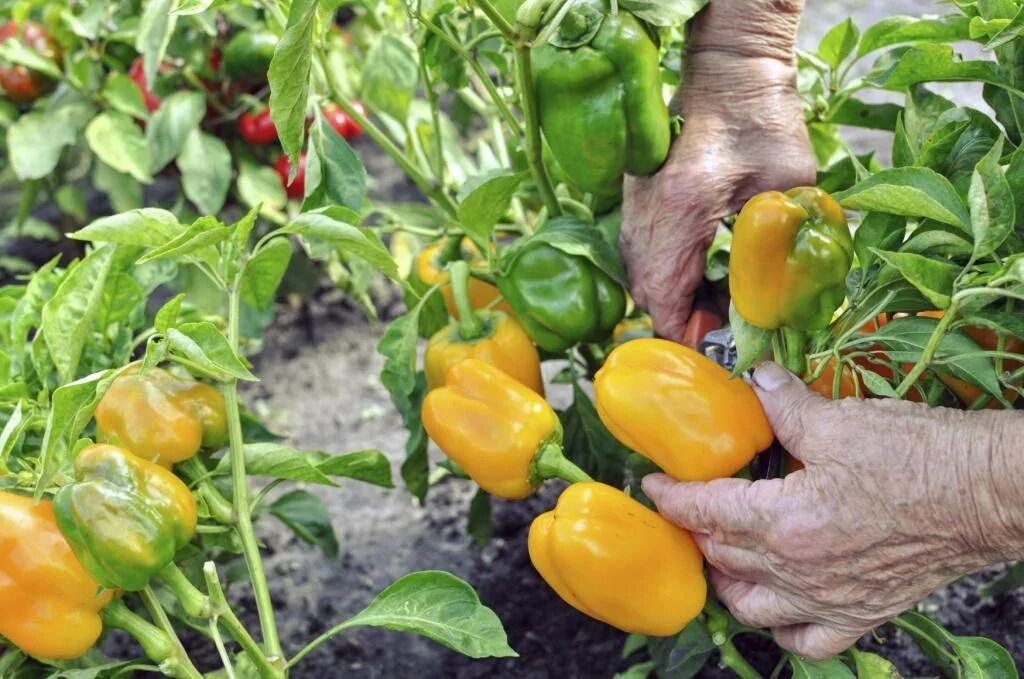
[160,416]
[124,517]
[632,328]
[429,270]
[49,604]
[247,55]
[561,299]
[680,410]
[599,97]
[615,560]
[790,256]
[492,426]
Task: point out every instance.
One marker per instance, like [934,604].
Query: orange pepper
[430,270]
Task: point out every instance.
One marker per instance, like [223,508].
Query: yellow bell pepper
[615,560]
[680,410]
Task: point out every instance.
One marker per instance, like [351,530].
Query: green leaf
[11,434]
[839,43]
[877,230]
[289,76]
[167,316]
[872,666]
[170,126]
[334,173]
[829,669]
[123,95]
[906,338]
[307,516]
[329,226]
[35,142]
[123,192]
[484,199]
[875,383]
[665,13]
[967,657]
[149,226]
[190,7]
[264,272]
[68,316]
[903,29]
[908,191]
[259,185]
[930,62]
[205,165]
[16,52]
[751,341]
[991,202]
[479,523]
[588,443]
[154,34]
[312,466]
[932,238]
[118,142]
[390,77]
[71,408]
[858,113]
[932,277]
[1009,33]
[206,231]
[202,343]
[441,607]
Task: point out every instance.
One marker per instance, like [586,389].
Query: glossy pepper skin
[600,101]
[680,410]
[429,270]
[561,299]
[505,345]
[492,426]
[161,416]
[247,55]
[49,604]
[125,518]
[615,560]
[790,256]
[629,329]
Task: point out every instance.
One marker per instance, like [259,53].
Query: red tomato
[297,189]
[21,84]
[136,73]
[257,128]
[342,123]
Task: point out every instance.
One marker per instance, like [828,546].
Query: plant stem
[430,189]
[793,345]
[155,643]
[500,22]
[178,663]
[222,612]
[243,518]
[929,350]
[524,78]
[718,628]
[551,463]
[194,602]
[435,118]
[220,508]
[471,326]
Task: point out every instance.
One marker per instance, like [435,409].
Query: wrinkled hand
[743,133]
[897,500]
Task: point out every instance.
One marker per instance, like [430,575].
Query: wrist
[748,28]
[992,488]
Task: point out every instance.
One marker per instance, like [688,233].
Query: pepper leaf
[908,191]
[483,200]
[289,76]
[751,341]
[390,77]
[666,13]
[991,202]
[829,669]
[932,277]
[334,173]
[312,466]
[307,516]
[203,344]
[441,607]
[264,273]
[148,226]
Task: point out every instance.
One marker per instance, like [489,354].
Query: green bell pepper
[124,517]
[247,55]
[599,93]
[562,298]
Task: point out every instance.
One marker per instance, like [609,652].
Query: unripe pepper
[161,416]
[247,55]
[492,337]
[680,410]
[615,560]
[599,97]
[629,329]
[790,256]
[429,270]
[124,517]
[49,604]
[561,298]
[504,435]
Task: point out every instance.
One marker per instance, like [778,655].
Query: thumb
[793,410]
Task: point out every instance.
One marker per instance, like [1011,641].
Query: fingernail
[770,376]
[656,484]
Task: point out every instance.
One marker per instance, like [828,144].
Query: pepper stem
[551,463]
[471,326]
[451,251]
[792,343]
[717,623]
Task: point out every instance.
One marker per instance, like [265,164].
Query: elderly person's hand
[897,499]
[743,133]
